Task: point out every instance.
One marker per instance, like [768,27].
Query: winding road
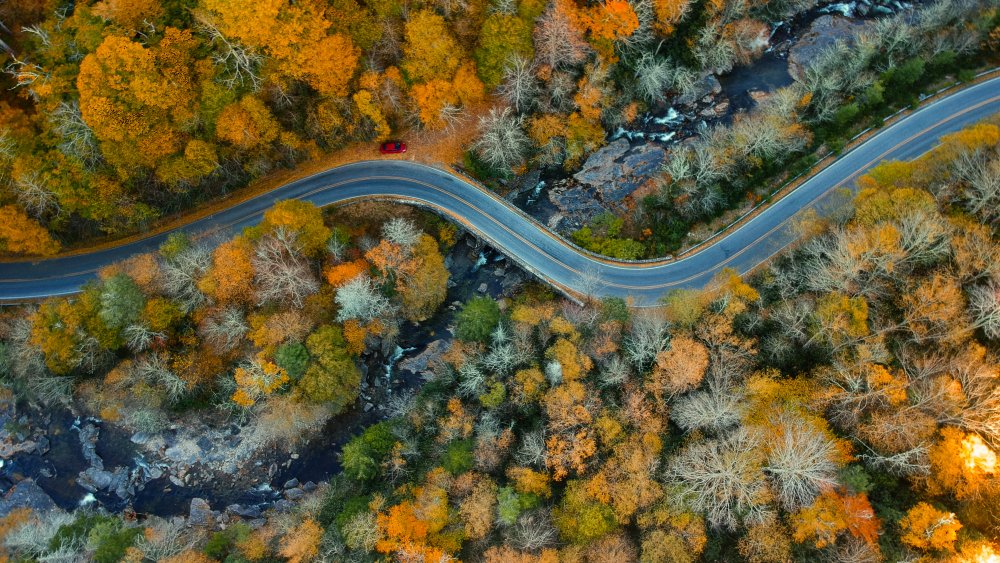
[531,244]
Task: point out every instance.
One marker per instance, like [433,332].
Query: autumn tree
[430,50]
[303,219]
[834,513]
[137,100]
[680,368]
[20,234]
[927,528]
[331,376]
[231,276]
[424,290]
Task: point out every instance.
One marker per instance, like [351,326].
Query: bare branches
[801,464]
[519,87]
[502,142]
[241,63]
[723,478]
[281,273]
[78,138]
[225,329]
[360,299]
[34,196]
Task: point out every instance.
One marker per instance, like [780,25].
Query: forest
[117,113]
[842,403]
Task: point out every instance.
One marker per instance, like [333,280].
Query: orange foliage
[20,234]
[354,335]
[302,543]
[231,276]
[833,513]
[529,481]
[247,124]
[925,527]
[340,274]
[129,14]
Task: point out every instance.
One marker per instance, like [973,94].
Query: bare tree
[502,142]
[241,63]
[646,338]
[34,195]
[716,409]
[534,531]
[139,337]
[532,450]
[558,42]
[801,464]
[361,299]
[979,173]
[722,478]
[78,138]
[519,87]
[403,232]
[281,273]
[653,75]
[225,329]
[181,274]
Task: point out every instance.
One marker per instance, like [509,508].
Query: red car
[392,147]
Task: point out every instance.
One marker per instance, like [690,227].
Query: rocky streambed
[199,467]
[617,177]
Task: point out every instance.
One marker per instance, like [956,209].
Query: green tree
[331,376]
[293,358]
[122,301]
[477,319]
[501,37]
[362,457]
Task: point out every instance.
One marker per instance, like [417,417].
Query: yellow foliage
[925,527]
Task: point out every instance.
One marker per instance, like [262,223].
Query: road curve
[528,242]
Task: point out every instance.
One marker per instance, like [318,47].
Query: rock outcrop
[823,33]
[26,494]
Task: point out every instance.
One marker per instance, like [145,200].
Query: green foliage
[900,82]
[581,519]
[855,478]
[501,37]
[349,508]
[495,396]
[78,531]
[508,505]
[293,358]
[222,544]
[477,319]
[457,457]
[614,309]
[176,243]
[332,377]
[110,539]
[602,237]
[362,457]
[122,301]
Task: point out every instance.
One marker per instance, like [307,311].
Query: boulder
[616,170]
[577,205]
[94,479]
[26,494]
[824,32]
[709,85]
[200,514]
[423,362]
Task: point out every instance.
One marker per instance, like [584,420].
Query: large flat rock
[617,170]
[824,32]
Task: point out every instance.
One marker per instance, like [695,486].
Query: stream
[475,269]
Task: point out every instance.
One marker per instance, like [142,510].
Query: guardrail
[768,200]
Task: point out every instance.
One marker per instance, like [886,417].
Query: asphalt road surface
[531,244]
